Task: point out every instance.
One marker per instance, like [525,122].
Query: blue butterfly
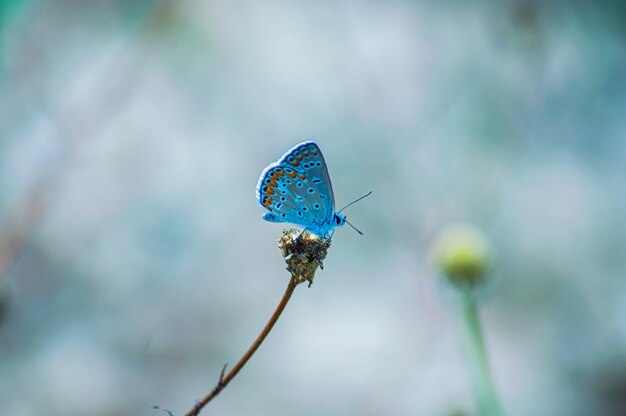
[297,190]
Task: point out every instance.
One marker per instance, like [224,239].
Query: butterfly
[297,190]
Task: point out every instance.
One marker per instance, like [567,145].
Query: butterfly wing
[297,189]
[283,191]
[307,159]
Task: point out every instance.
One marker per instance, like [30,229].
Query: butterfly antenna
[355,229]
[354,202]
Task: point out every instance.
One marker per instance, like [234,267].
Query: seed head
[303,252]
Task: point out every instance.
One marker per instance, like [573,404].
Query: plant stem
[226,378]
[484,389]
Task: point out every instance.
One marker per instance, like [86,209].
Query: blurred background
[134,261]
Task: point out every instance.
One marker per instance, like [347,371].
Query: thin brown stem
[225,379]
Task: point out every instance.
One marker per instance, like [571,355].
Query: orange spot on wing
[292,174]
[303,177]
[295,162]
[268,202]
[274,175]
[272,183]
[269,191]
[281,173]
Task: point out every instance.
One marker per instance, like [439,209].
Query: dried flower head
[462,255]
[303,252]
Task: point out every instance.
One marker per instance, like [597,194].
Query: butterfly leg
[300,235]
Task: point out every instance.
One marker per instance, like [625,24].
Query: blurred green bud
[462,255]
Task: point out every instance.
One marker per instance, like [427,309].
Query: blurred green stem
[484,389]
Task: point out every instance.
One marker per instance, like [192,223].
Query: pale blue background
[132,135]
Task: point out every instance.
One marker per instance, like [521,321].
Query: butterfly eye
[337,219]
